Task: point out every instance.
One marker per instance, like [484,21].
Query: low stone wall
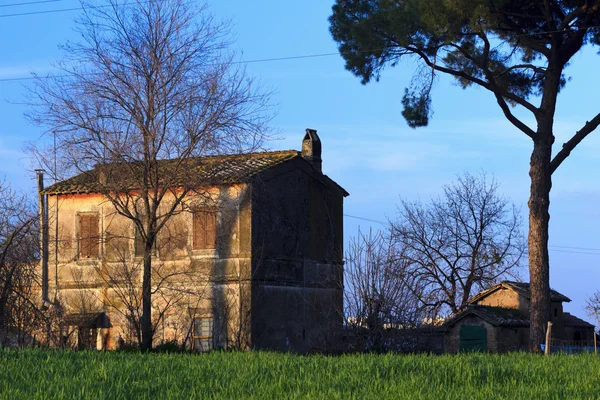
[415,340]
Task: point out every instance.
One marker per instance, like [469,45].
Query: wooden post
[595,347]
[548,338]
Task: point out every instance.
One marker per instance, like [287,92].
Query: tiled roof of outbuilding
[497,316]
[519,287]
[196,171]
[571,320]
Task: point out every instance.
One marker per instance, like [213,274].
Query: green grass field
[39,374]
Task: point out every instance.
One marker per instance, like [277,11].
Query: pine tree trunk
[539,218]
[147,298]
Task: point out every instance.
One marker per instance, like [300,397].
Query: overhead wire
[29,3]
[552,247]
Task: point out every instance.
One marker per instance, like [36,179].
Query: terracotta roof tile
[521,288]
[497,316]
[212,170]
[571,320]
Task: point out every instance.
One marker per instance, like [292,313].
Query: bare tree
[20,316]
[592,307]
[376,295]
[151,87]
[172,283]
[460,243]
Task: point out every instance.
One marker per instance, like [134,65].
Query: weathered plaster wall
[506,298]
[213,279]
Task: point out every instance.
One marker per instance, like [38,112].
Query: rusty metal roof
[195,171]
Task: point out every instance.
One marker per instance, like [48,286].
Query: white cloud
[24,70]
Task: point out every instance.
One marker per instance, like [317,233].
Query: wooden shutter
[205,230]
[211,230]
[84,236]
[139,245]
[94,236]
[89,235]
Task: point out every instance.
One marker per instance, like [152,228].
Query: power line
[576,248]
[28,3]
[364,219]
[43,12]
[560,249]
[287,58]
[260,60]
[68,9]
[575,252]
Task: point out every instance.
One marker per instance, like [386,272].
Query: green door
[473,338]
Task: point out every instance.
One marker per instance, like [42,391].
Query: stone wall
[499,339]
[297,252]
[506,298]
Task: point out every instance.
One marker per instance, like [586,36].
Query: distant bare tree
[376,295]
[458,244]
[19,249]
[592,307]
[151,81]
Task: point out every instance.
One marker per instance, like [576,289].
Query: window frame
[210,338]
[197,245]
[81,238]
[137,238]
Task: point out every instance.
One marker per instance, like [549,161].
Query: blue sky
[367,146]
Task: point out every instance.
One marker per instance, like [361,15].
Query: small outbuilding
[497,320]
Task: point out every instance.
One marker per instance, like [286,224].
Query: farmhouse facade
[497,320]
[253,262]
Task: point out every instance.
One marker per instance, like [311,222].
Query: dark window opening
[577,336]
[556,312]
[86,338]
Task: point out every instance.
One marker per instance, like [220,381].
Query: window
[89,236]
[202,333]
[205,230]
[555,312]
[139,246]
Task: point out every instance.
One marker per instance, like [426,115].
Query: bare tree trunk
[146,320]
[539,218]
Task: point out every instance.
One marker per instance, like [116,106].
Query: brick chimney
[311,149]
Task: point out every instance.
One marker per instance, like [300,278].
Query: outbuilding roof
[497,316]
[196,171]
[520,287]
[571,320]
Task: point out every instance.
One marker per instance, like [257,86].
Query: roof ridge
[206,170]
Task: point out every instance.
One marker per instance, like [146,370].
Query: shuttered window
[89,236]
[205,230]
[139,245]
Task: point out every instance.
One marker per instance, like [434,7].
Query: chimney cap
[311,148]
[39,171]
[311,134]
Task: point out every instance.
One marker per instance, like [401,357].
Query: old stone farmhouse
[256,264]
[497,320]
